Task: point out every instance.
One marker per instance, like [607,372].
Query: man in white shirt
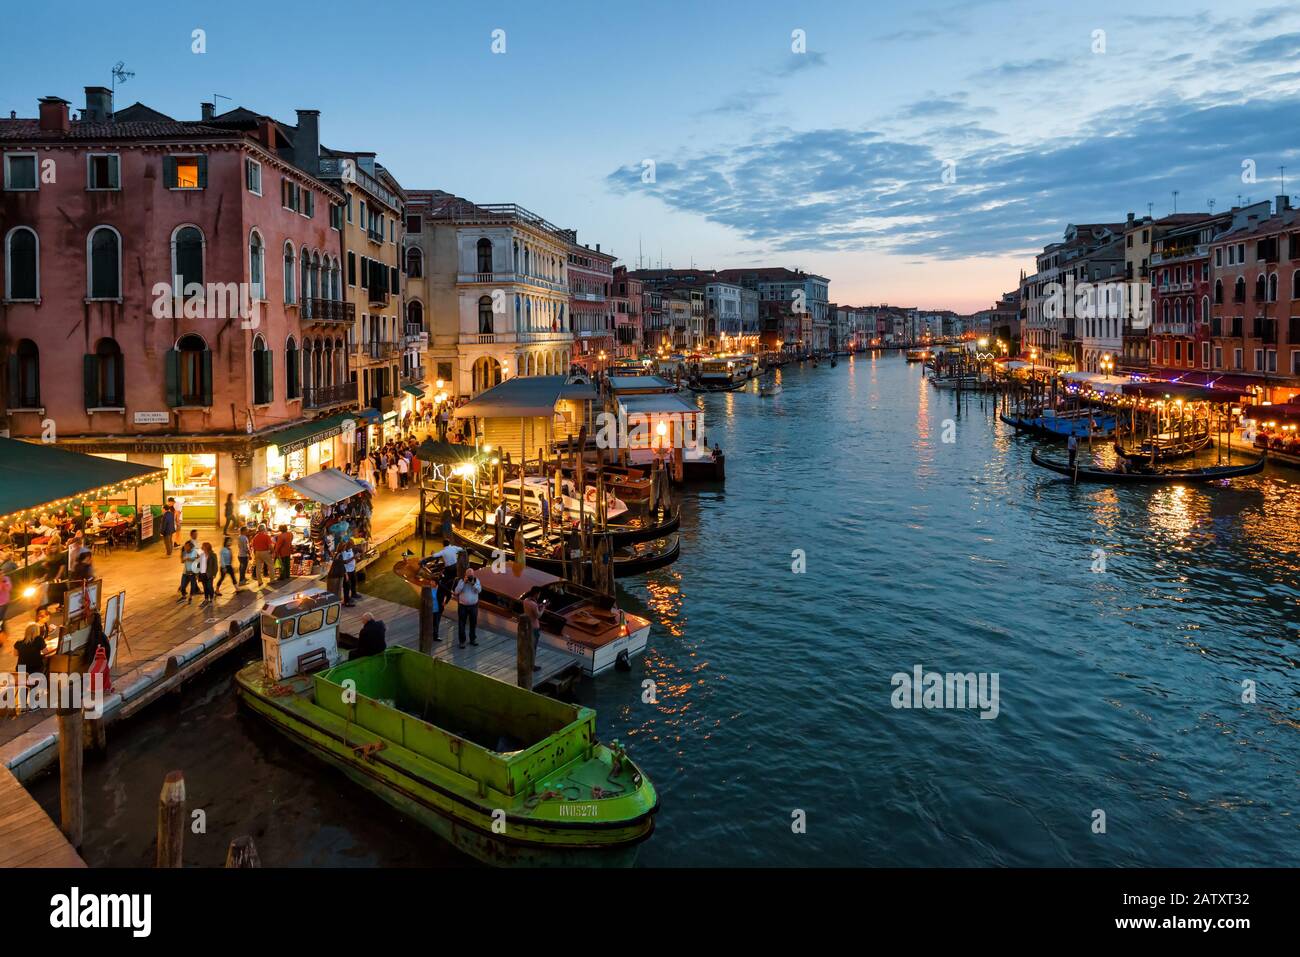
[449,555]
[349,573]
[467,592]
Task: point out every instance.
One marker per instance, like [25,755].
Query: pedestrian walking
[336,575]
[467,592]
[227,566]
[533,605]
[284,551]
[230,514]
[188,584]
[243,549]
[167,529]
[205,567]
[262,561]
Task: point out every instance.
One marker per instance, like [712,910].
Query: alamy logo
[74,910]
[935,690]
[1129,301]
[215,300]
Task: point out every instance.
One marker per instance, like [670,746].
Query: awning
[525,397]
[36,476]
[1098,381]
[1289,411]
[328,487]
[433,450]
[303,434]
[414,390]
[1179,390]
[658,403]
[1237,384]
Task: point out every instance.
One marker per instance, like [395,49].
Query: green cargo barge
[506,775]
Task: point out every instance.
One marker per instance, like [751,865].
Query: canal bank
[1120,691]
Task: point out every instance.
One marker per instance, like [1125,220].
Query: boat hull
[492,836]
[1167,477]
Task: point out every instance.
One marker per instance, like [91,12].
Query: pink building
[627,302]
[591,317]
[158,273]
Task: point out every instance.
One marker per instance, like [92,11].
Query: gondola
[1088,473]
[1173,450]
[1061,427]
[631,562]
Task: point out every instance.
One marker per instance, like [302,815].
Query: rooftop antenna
[1210,203]
[218,96]
[1150,207]
[120,75]
[1282,172]
[1175,201]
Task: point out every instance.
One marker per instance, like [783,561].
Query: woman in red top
[284,551]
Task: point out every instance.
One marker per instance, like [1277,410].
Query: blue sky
[831,159]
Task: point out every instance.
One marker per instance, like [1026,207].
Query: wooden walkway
[494,656]
[28,838]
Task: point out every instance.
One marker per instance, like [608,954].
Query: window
[414,224]
[288,272]
[308,203]
[415,313]
[349,209]
[1259,360]
[352,268]
[290,194]
[103,377]
[22,264]
[20,171]
[187,260]
[311,621]
[25,376]
[103,171]
[185,172]
[394,280]
[415,263]
[104,261]
[189,373]
[263,371]
[1205,355]
[1218,291]
[253,176]
[1295,361]
[1239,290]
[485,256]
[1218,256]
[292,386]
[1271,359]
[1218,357]
[1272,287]
[485,315]
[336,216]
[256,266]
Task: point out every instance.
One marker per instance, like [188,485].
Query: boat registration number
[579,810]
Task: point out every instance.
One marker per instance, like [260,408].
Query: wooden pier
[494,655]
[28,838]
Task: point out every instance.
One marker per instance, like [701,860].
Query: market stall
[319,509]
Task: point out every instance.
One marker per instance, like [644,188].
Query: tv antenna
[120,75]
[1175,201]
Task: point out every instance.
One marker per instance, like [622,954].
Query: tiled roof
[29,130]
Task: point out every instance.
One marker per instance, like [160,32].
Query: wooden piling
[524,652]
[243,853]
[426,621]
[71,804]
[171,821]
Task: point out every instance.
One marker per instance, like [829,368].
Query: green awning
[39,476]
[414,390]
[295,437]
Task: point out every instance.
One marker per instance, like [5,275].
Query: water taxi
[506,775]
[769,386]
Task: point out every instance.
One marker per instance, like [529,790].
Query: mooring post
[171,820]
[426,620]
[71,806]
[524,652]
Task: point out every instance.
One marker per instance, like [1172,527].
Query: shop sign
[152,418]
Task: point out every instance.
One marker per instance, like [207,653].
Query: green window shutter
[268,374]
[203,172]
[172,368]
[207,376]
[169,172]
[90,380]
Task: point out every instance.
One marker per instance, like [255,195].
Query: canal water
[852,543]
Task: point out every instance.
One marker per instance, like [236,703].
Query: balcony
[378,296]
[413,376]
[319,397]
[328,310]
[377,349]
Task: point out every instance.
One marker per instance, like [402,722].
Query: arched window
[1295,284]
[22,264]
[1205,309]
[189,373]
[528,314]
[486,373]
[414,263]
[1272,287]
[485,315]
[288,273]
[104,378]
[315,276]
[187,259]
[104,262]
[263,373]
[25,376]
[415,313]
[1218,290]
[292,389]
[256,265]
[1260,288]
[485,255]
[304,268]
[1178,311]
[1239,290]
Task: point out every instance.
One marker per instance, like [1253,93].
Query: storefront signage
[146,523]
[152,418]
[311,439]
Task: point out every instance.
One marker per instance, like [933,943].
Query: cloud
[799,62]
[939,106]
[1020,69]
[841,189]
[1284,46]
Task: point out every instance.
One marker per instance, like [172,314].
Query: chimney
[1281,203]
[306,144]
[99,105]
[54,114]
[1129,221]
[207,110]
[597,247]
[266,132]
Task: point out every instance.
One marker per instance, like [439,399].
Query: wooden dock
[28,838]
[494,656]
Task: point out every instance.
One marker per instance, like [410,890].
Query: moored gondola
[1137,475]
[546,553]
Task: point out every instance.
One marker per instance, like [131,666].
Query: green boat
[508,776]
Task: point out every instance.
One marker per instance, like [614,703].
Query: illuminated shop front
[191,478]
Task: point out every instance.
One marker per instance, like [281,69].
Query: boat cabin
[300,633]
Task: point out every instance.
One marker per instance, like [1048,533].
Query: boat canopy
[1098,381]
[1179,390]
[640,383]
[526,397]
[666,402]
